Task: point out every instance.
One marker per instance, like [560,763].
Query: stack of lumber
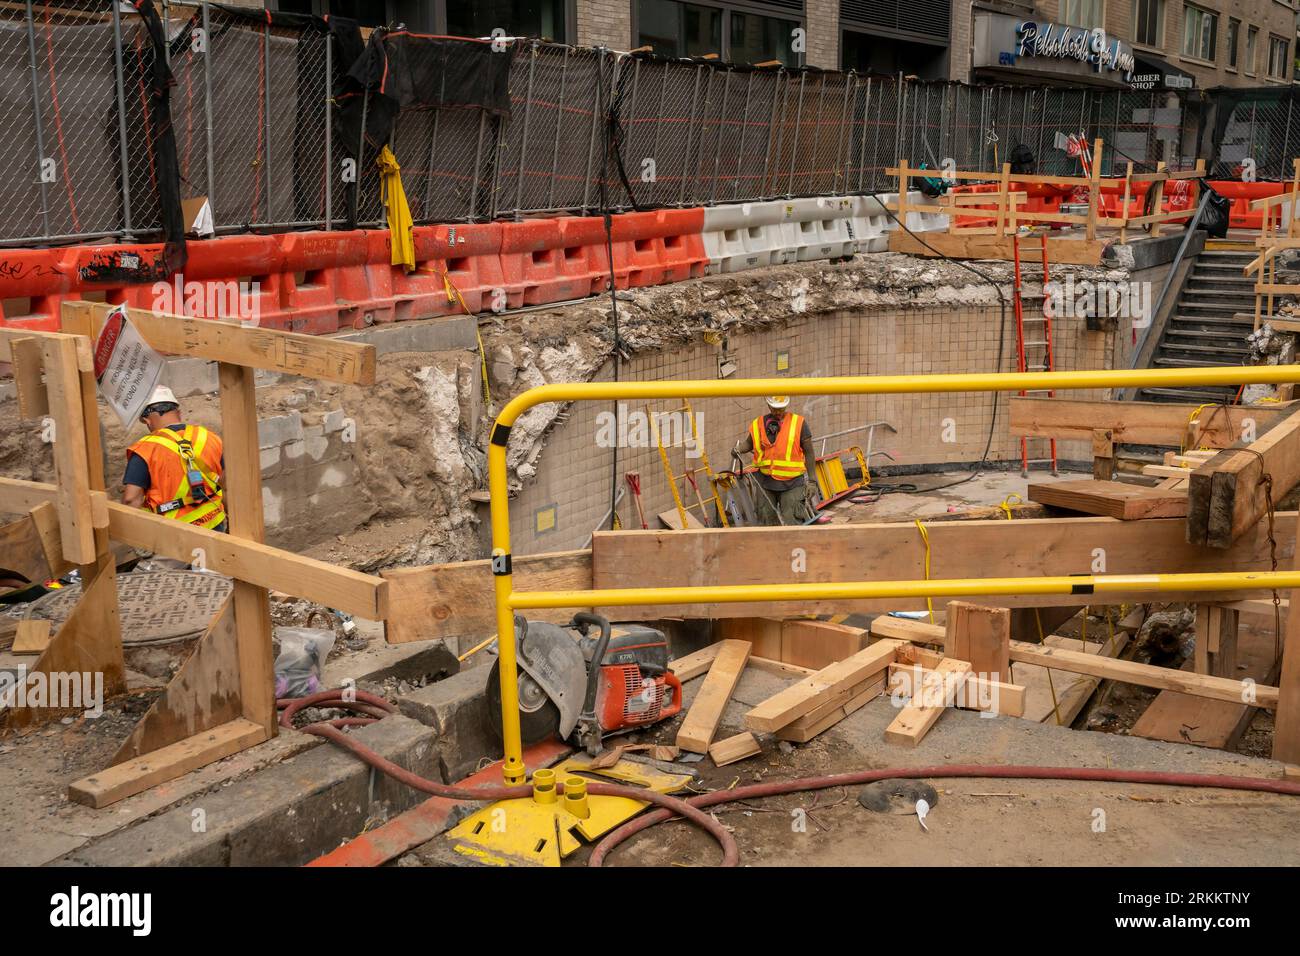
[1111,499]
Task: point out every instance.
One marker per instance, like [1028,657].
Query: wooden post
[1159,187]
[1005,186]
[1216,640]
[903,179]
[980,635]
[1128,187]
[243,503]
[1094,190]
[1103,454]
[1286,722]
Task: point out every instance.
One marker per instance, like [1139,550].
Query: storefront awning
[1153,73]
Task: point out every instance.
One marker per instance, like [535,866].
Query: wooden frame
[1270,243]
[223,698]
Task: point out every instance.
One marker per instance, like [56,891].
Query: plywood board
[1111,499]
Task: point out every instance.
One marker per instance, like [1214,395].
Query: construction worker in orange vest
[781,443]
[175,471]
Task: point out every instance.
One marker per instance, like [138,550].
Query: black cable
[1002,339]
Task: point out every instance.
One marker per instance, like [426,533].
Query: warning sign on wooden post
[126,367]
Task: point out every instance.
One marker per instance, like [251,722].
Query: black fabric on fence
[166,166]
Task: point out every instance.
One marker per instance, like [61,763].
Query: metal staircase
[1211,319]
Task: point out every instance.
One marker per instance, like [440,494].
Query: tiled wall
[570,495]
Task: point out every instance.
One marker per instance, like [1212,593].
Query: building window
[1149,22]
[1252,41]
[674,28]
[1200,32]
[679,29]
[1234,29]
[524,18]
[1277,48]
[1081,13]
[758,39]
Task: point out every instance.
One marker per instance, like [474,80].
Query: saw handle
[580,620]
[671,680]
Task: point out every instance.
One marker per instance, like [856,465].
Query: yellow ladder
[689,475]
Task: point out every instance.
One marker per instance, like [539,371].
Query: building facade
[1176,44]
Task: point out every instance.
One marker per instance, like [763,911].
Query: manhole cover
[154,606]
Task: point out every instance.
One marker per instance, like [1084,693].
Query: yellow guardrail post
[507,600]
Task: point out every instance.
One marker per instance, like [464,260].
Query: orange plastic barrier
[652,248]
[1242,194]
[551,260]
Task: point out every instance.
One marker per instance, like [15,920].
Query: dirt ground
[978,821]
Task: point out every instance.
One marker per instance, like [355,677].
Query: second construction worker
[781,443]
[175,471]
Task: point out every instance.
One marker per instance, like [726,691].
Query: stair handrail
[1190,231]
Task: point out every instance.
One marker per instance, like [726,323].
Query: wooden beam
[981,636]
[701,722]
[800,698]
[242,483]
[1286,724]
[24,547]
[1081,252]
[452,601]
[735,748]
[938,689]
[816,644]
[976,691]
[695,663]
[8,336]
[1055,657]
[71,463]
[1137,423]
[363,595]
[29,380]
[1227,494]
[841,705]
[311,356]
[1112,499]
[885,551]
[32,636]
[764,633]
[139,774]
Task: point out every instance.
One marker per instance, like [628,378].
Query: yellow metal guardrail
[508,600]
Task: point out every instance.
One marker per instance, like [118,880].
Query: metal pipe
[690,136]
[717,136]
[868,590]
[794,151]
[559,125]
[266,111]
[121,122]
[36,118]
[523,135]
[329,128]
[503,585]
[207,111]
[472,212]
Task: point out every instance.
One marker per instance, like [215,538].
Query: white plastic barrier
[869,225]
[743,236]
[819,228]
[916,221]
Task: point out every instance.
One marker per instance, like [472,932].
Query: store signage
[1093,47]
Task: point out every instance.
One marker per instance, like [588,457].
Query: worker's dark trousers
[789,504]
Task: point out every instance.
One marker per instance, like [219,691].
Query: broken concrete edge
[306,804]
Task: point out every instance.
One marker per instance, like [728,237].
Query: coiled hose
[373,708]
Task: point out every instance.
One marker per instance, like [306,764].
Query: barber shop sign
[1072,43]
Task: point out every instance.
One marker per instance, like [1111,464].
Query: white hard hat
[161,394]
[778,401]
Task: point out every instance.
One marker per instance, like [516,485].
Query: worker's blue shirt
[137,469]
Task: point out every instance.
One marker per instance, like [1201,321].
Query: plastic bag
[1214,220]
[301,660]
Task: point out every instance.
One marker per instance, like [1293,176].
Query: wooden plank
[735,748]
[805,729]
[137,775]
[32,636]
[8,336]
[798,699]
[311,356]
[701,722]
[28,366]
[45,518]
[452,601]
[938,687]
[695,663]
[1286,723]
[1112,499]
[673,521]
[976,692]
[1057,697]
[1137,423]
[1218,724]
[204,693]
[242,481]
[816,644]
[1061,251]
[780,667]
[71,463]
[885,551]
[22,549]
[981,636]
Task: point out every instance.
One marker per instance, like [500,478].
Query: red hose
[693,809]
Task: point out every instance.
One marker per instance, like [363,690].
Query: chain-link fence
[253,121]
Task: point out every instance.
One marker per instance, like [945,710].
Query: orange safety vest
[782,458]
[172,456]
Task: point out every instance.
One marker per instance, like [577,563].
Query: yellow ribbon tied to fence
[400,226]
